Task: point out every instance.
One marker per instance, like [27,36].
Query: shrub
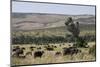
[92,50]
[80,42]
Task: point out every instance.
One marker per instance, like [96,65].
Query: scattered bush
[80,43]
[44,40]
[92,50]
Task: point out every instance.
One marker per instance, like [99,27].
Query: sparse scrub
[92,50]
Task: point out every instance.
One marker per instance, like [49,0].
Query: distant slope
[32,21]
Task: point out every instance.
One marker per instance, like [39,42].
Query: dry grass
[49,56]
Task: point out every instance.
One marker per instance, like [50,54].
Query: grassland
[50,57]
[58,31]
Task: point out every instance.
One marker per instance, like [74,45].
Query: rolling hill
[32,21]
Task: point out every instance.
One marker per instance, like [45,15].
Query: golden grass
[49,56]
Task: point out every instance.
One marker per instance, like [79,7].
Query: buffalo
[18,51]
[31,48]
[58,53]
[70,51]
[15,48]
[38,54]
[49,48]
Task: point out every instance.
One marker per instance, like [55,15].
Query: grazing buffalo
[69,45]
[31,48]
[63,44]
[18,52]
[38,54]
[49,48]
[15,48]
[23,48]
[58,53]
[55,46]
[71,51]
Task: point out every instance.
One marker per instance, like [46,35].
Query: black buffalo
[18,52]
[31,48]
[70,51]
[49,48]
[38,54]
[58,53]
[15,48]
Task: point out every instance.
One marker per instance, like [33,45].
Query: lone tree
[75,31]
[72,27]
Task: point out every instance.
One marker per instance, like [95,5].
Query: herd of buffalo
[19,52]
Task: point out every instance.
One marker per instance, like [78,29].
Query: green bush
[80,42]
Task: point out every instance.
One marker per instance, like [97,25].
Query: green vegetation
[52,35]
[29,39]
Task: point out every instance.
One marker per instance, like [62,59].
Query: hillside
[32,21]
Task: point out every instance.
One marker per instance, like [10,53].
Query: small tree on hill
[73,28]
